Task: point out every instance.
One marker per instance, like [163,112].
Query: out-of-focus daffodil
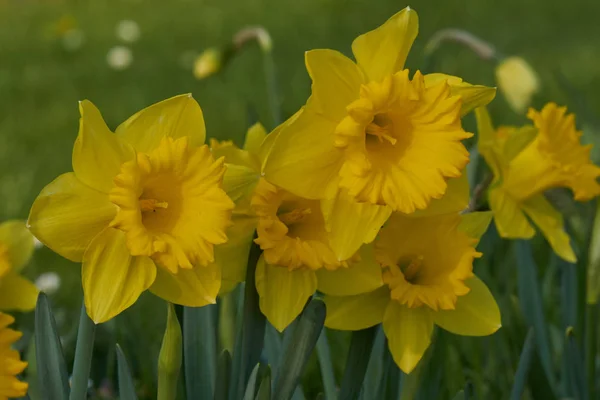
[208,63]
[371,138]
[518,82]
[16,248]
[142,209]
[527,161]
[10,361]
[427,280]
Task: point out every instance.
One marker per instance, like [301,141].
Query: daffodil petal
[254,138]
[551,223]
[283,293]
[232,257]
[361,311]
[176,117]
[18,241]
[336,81]
[475,224]
[98,153]
[239,183]
[486,141]
[303,159]
[17,293]
[383,51]
[359,277]
[408,331]
[455,200]
[112,278]
[347,235]
[476,313]
[67,215]
[194,287]
[517,140]
[472,96]
[510,220]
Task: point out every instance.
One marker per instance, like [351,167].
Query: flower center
[291,230]
[401,141]
[171,204]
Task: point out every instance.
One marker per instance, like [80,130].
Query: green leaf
[302,343]
[360,351]
[531,303]
[376,367]
[324,356]
[200,351]
[169,358]
[459,396]
[83,356]
[251,387]
[575,371]
[247,353]
[51,367]
[264,390]
[522,374]
[126,386]
[223,376]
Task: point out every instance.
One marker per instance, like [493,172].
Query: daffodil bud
[208,63]
[517,81]
[169,358]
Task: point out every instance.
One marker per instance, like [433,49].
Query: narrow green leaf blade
[200,351]
[301,345]
[126,386]
[169,358]
[361,345]
[521,377]
[251,387]
[264,390]
[223,376]
[324,356]
[51,367]
[83,356]
[575,371]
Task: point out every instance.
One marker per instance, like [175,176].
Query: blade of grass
[324,356]
[524,366]
[126,386]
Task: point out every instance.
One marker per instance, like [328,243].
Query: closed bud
[518,82]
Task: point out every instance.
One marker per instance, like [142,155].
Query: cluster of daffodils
[360,197]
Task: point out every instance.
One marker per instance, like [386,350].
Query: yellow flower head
[143,208]
[372,130]
[517,81]
[426,260]
[10,361]
[527,161]
[16,249]
[427,280]
[291,230]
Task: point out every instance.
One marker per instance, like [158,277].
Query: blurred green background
[41,81]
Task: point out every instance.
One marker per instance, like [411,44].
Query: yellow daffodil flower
[527,161]
[142,210]
[427,280]
[371,138]
[517,81]
[16,248]
[10,361]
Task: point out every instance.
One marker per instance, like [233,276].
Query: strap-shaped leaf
[126,386]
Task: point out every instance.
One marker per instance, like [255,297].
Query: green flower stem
[83,356]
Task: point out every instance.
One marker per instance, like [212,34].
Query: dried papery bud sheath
[170,357]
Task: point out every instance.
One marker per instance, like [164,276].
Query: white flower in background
[48,282]
[119,57]
[128,31]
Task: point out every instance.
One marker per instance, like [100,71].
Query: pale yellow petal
[476,313]
[336,81]
[176,117]
[383,51]
[455,200]
[283,293]
[486,141]
[194,287]
[67,215]
[239,183]
[303,159]
[551,223]
[18,241]
[408,331]
[475,224]
[254,138]
[350,224]
[232,257]
[472,96]
[17,293]
[510,220]
[113,279]
[361,276]
[518,82]
[517,140]
[267,144]
[98,153]
[352,313]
